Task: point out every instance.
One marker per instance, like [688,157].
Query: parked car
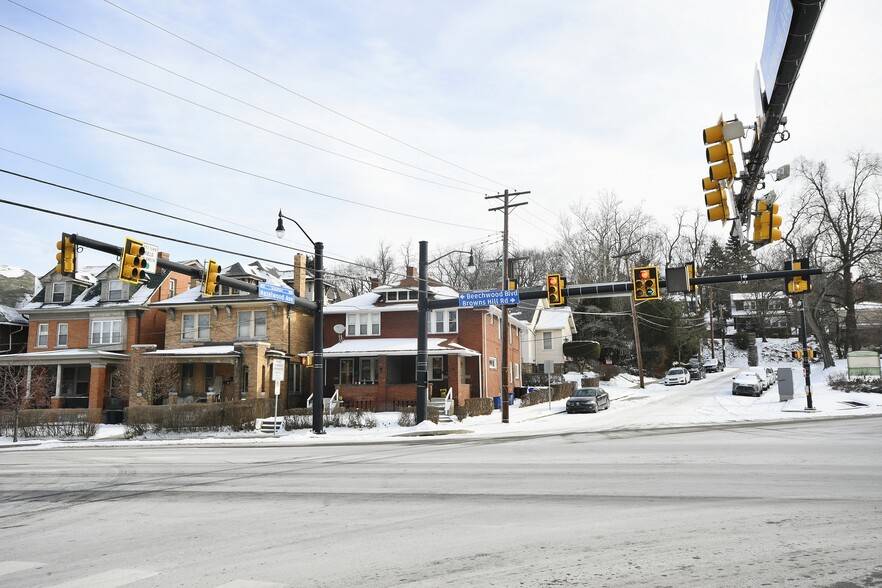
[747,384]
[696,370]
[588,400]
[764,375]
[677,375]
[713,365]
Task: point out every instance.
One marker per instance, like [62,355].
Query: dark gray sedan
[588,400]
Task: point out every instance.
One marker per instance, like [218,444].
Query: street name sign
[489,298]
[279,293]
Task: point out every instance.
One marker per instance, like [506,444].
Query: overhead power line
[235,169]
[237,119]
[235,99]
[301,96]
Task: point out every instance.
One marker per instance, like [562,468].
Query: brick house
[83,326]
[373,360]
[225,344]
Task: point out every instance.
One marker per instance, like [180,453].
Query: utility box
[785,384]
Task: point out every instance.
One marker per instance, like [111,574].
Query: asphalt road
[796,504]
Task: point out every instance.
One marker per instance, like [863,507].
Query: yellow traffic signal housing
[796,354]
[766,221]
[210,287]
[306,360]
[720,153]
[715,200]
[132,262]
[797,284]
[66,256]
[554,285]
[645,282]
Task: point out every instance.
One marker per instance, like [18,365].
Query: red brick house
[83,326]
[371,347]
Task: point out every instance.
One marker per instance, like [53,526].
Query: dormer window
[58,289]
[115,290]
[401,295]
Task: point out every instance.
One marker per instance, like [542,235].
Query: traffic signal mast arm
[183,269]
[609,289]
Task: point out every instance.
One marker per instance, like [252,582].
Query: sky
[380,121]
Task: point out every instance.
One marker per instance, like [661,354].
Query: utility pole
[637,340]
[806,365]
[505,208]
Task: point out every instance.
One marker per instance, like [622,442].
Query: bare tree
[146,379]
[848,220]
[23,387]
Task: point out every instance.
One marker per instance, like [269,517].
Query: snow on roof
[554,319]
[366,301]
[190,295]
[10,315]
[80,355]
[197,351]
[393,346]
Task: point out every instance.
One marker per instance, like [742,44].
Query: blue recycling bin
[497,402]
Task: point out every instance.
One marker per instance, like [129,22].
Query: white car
[677,375]
[764,374]
[747,383]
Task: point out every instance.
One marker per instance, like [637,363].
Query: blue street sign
[279,293]
[488,298]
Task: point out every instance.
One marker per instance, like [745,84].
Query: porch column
[57,401]
[97,382]
[28,384]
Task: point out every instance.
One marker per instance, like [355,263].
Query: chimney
[375,283]
[300,274]
[411,272]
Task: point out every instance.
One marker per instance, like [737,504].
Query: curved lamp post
[422,399]
[318,342]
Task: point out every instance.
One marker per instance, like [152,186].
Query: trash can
[497,402]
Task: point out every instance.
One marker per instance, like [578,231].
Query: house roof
[91,296]
[554,319]
[10,316]
[354,346]
[62,356]
[202,351]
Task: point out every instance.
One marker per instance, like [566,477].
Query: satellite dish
[339,329]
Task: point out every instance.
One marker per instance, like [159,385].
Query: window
[436,367]
[516,368]
[58,289]
[105,332]
[252,324]
[62,335]
[43,335]
[347,371]
[367,371]
[359,371]
[196,326]
[546,340]
[172,288]
[443,321]
[491,362]
[115,290]
[362,324]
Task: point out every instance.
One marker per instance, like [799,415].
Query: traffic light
[554,285]
[797,284]
[210,287]
[720,154]
[645,280]
[796,354]
[132,262]
[715,200]
[766,221]
[66,256]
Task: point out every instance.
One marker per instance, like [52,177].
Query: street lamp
[422,400]
[318,340]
